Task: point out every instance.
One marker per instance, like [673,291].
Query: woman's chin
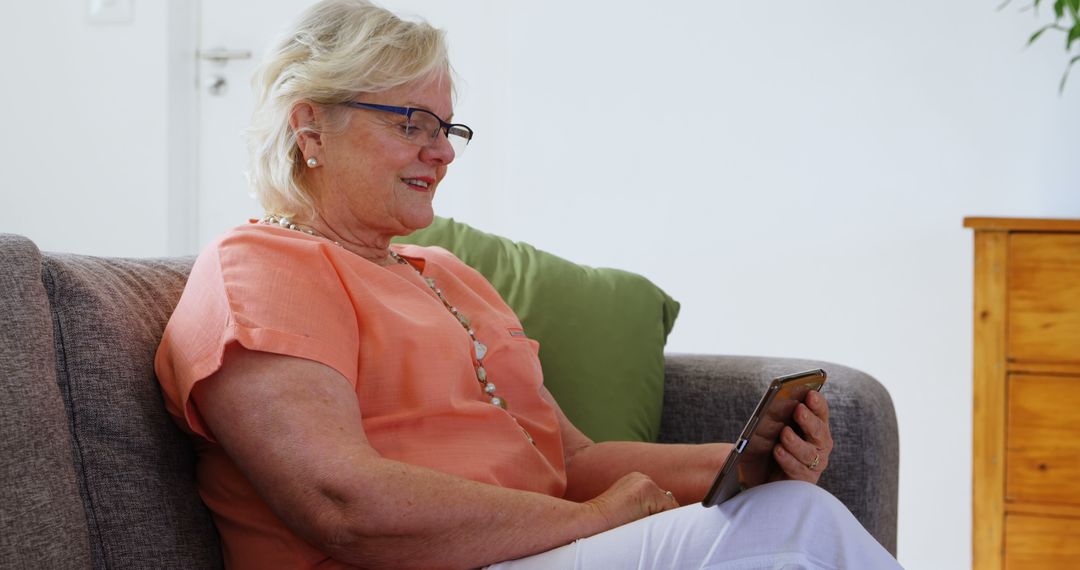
[418,220]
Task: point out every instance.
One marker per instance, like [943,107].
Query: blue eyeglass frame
[408,112]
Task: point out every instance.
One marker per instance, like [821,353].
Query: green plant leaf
[1036,35]
[1074,34]
[1059,9]
[1065,76]
[1074,7]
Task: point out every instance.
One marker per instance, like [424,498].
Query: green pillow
[601,331]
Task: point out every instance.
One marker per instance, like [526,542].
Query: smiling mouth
[417,184]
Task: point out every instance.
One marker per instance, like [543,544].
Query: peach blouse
[411,363]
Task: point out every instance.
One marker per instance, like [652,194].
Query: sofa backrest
[134,469]
[42,524]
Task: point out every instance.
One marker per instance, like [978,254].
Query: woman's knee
[803,488]
[797,499]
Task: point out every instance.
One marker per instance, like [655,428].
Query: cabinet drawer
[1041,542]
[1044,297]
[1042,459]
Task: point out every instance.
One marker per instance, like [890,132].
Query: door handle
[221,56]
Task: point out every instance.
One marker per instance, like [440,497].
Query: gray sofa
[95,474]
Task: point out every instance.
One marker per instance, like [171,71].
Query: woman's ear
[304,121]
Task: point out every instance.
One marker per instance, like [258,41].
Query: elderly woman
[355,403]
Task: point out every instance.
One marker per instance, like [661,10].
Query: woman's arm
[685,470]
[293,428]
[688,470]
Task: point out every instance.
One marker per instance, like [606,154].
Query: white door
[232,30]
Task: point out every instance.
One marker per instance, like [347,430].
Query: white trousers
[786,524]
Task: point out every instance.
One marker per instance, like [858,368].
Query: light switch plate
[110,11]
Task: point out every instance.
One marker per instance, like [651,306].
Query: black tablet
[750,463]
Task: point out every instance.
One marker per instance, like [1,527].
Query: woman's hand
[632,497]
[805,458]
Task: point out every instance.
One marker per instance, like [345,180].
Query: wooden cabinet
[1026,454]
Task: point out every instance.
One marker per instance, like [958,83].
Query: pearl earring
[312,162]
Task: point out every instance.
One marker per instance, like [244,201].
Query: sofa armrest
[709,398]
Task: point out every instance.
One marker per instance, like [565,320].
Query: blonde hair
[336,50]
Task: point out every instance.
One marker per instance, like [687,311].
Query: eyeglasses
[422,127]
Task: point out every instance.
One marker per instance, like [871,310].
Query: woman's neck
[374,248]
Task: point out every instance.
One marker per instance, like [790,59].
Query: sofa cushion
[135,467]
[601,331]
[41,515]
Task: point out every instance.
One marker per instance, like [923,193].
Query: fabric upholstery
[604,325]
[41,516]
[709,398]
[134,466]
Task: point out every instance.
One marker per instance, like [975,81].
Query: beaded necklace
[480,349]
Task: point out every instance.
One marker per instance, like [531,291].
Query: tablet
[750,463]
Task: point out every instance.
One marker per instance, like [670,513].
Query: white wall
[795,173]
[85,151]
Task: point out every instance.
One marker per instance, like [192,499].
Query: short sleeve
[269,292]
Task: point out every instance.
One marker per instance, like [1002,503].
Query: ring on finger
[813,464]
[669,494]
